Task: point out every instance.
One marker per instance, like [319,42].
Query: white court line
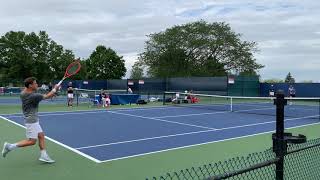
[162,120]
[143,139]
[145,108]
[218,112]
[92,111]
[115,112]
[57,142]
[55,112]
[103,110]
[189,133]
[210,142]
[61,114]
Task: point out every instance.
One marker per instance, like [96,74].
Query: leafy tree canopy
[198,49]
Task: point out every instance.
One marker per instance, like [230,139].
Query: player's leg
[71,99]
[31,135]
[68,100]
[107,103]
[41,138]
[104,101]
[7,147]
[290,99]
[44,157]
[70,96]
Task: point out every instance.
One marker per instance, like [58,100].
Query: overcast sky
[287,31]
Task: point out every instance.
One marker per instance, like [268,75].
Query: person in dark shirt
[292,93]
[271,91]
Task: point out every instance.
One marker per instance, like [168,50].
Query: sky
[287,31]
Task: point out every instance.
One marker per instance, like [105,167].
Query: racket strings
[73,69]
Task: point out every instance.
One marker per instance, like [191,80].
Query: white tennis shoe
[5,149]
[46,159]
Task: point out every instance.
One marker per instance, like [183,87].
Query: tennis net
[297,107]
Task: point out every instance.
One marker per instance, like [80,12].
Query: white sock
[12,146]
[43,152]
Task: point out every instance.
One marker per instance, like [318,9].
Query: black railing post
[280,145]
[77,94]
[164,98]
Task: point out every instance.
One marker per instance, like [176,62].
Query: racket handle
[59,83]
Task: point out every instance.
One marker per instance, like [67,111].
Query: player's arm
[51,93]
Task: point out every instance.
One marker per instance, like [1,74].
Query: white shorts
[32,130]
[70,96]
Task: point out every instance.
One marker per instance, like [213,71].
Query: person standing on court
[272,91]
[30,102]
[292,93]
[70,94]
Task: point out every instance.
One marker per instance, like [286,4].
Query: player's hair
[29,81]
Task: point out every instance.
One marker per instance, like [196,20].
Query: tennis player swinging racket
[30,102]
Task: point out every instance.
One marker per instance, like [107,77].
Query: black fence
[291,157]
[302,161]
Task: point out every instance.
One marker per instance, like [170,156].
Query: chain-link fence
[291,157]
[302,161]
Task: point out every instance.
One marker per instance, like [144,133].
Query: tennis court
[108,135]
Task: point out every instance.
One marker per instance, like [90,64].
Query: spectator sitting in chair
[175,100]
[129,90]
[188,97]
[193,98]
[105,100]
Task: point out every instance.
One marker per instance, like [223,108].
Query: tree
[198,49]
[273,81]
[23,55]
[289,78]
[104,63]
[136,71]
[306,81]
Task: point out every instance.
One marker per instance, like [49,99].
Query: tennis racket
[71,70]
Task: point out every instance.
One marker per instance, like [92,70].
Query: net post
[231,105]
[279,142]
[164,98]
[127,85]
[77,94]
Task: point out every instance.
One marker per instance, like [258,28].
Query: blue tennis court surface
[106,135]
